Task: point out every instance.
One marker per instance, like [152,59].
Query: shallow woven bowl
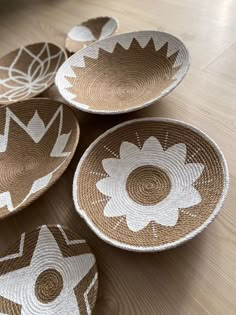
[90,31]
[38,138]
[123,73]
[150,184]
[28,71]
[48,271]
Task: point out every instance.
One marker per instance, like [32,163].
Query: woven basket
[38,138]
[90,31]
[150,184]
[28,71]
[48,271]
[123,73]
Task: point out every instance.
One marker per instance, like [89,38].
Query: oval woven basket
[123,73]
[90,31]
[48,271]
[150,184]
[38,138]
[28,71]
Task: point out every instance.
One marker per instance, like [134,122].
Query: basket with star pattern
[48,271]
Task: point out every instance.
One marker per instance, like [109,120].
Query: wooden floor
[198,277]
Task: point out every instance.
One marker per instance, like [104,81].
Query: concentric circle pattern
[48,286]
[150,184]
[124,72]
[90,31]
[28,71]
[38,138]
[48,271]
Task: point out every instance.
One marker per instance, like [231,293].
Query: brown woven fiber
[48,271]
[90,31]
[150,184]
[38,138]
[28,71]
[124,72]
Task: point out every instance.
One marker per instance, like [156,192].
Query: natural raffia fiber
[90,31]
[150,184]
[48,271]
[28,71]
[124,72]
[38,138]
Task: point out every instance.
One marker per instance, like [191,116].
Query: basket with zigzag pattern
[123,73]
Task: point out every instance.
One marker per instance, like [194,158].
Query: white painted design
[110,151]
[36,129]
[138,140]
[154,229]
[16,255]
[125,40]
[19,285]
[88,308]
[81,33]
[172,161]
[20,85]
[108,29]
[118,223]
[70,242]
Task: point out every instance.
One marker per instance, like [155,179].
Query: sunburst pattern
[125,77]
[123,73]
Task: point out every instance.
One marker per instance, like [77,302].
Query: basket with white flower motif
[150,184]
[28,71]
[123,73]
[38,139]
[48,271]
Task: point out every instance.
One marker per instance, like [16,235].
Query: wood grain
[198,277]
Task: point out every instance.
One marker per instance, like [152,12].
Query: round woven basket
[123,73]
[90,31]
[48,271]
[28,71]
[38,139]
[150,184]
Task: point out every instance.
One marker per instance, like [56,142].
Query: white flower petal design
[110,166]
[178,151]
[135,225]
[152,145]
[171,162]
[127,149]
[105,186]
[17,84]
[81,33]
[109,28]
[112,209]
